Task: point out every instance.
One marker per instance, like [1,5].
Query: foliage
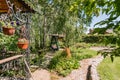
[62,17]
[37,59]
[109,70]
[63,65]
[99,30]
[111,53]
[9,42]
[82,53]
[9,24]
[58,16]
[112,9]
[22,41]
[100,39]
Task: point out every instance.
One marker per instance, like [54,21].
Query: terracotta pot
[67,50]
[23,45]
[8,31]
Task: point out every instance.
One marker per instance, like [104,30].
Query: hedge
[99,39]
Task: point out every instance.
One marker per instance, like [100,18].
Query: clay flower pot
[22,43]
[8,30]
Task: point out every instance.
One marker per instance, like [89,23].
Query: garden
[47,40]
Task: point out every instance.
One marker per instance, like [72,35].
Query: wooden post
[67,50]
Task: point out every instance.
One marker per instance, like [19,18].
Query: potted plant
[22,43]
[8,28]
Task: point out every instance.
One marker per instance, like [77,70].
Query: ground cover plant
[63,66]
[109,70]
[9,42]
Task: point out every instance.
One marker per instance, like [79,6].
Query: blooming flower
[9,24]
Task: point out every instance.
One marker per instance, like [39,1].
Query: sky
[96,20]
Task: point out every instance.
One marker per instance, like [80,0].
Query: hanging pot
[8,31]
[22,43]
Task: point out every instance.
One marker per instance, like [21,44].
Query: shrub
[9,42]
[63,65]
[100,39]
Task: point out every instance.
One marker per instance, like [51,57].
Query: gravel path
[47,59]
[100,48]
[87,70]
[41,75]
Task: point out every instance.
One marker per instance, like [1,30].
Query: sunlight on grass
[83,51]
[109,70]
[64,66]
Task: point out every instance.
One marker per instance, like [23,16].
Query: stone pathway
[100,48]
[47,59]
[87,70]
[41,74]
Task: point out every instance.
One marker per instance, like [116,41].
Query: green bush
[63,65]
[100,39]
[9,42]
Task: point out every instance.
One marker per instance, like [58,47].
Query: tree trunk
[44,32]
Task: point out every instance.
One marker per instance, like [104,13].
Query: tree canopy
[70,16]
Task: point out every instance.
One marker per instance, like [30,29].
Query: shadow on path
[88,76]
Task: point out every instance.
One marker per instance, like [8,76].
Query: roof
[18,3]
[109,31]
[100,31]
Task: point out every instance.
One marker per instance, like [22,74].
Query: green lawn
[109,70]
